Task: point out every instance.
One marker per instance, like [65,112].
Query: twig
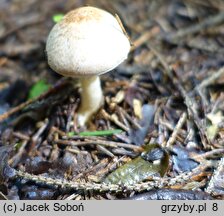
[145,37]
[36,138]
[209,22]
[217,179]
[105,151]
[76,151]
[190,102]
[176,130]
[40,131]
[99,142]
[201,157]
[122,27]
[74,196]
[114,120]
[87,186]
[15,29]
[16,158]
[21,136]
[57,130]
[70,116]
[129,118]
[3,196]
[183,178]
[211,79]
[18,108]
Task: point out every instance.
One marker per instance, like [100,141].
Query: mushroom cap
[87,41]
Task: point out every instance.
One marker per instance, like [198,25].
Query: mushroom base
[91,98]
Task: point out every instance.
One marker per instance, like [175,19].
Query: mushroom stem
[91,98]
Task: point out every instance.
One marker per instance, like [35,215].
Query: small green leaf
[18,145]
[96,133]
[38,88]
[57,17]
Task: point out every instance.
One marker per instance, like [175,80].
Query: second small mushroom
[86,43]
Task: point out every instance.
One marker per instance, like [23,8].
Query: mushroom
[86,43]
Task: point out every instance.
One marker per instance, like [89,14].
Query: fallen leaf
[150,163]
[137,136]
[137,106]
[215,119]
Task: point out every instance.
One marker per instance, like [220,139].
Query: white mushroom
[87,42]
